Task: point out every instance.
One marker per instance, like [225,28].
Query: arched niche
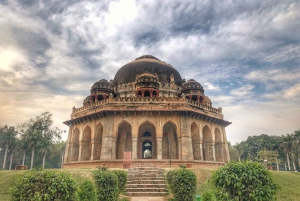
[195,141]
[169,141]
[98,141]
[124,139]
[75,145]
[207,144]
[147,141]
[86,143]
[218,145]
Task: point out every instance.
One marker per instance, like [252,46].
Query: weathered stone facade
[149,110]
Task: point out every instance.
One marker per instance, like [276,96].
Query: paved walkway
[146,198]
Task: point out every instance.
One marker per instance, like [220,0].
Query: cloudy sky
[244,53]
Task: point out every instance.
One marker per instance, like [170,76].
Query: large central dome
[149,64]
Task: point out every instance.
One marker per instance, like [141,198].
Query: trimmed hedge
[87,191]
[44,185]
[122,179]
[106,185]
[183,183]
[244,181]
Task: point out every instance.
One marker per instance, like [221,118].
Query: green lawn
[288,182]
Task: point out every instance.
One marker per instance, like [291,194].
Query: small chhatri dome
[102,86]
[150,64]
[192,85]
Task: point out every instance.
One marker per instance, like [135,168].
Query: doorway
[147,149]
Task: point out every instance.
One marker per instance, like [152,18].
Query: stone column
[113,153]
[201,150]
[214,151]
[134,148]
[159,147]
[92,150]
[106,149]
[226,146]
[71,152]
[80,150]
[186,148]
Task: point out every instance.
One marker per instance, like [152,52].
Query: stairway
[146,180]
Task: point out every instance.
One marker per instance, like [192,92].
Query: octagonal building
[150,113]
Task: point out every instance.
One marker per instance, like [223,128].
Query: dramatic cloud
[244,53]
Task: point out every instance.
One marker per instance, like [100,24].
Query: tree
[7,140]
[269,156]
[286,145]
[244,181]
[38,135]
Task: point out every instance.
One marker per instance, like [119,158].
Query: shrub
[170,176]
[87,191]
[244,181]
[208,196]
[106,185]
[44,185]
[182,183]
[122,179]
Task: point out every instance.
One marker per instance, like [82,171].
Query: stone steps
[146,180]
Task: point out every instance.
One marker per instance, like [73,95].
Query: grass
[288,182]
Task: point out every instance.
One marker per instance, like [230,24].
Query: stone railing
[135,101]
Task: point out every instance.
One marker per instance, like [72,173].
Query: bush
[122,179]
[44,185]
[208,196]
[244,181]
[106,185]
[87,191]
[183,184]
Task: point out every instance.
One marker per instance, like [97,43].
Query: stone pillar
[134,148]
[226,146]
[186,141]
[159,148]
[80,150]
[92,150]
[71,152]
[186,148]
[67,157]
[114,149]
[214,151]
[106,149]
[201,150]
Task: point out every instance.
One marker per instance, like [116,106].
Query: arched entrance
[75,145]
[169,139]
[147,142]
[207,144]
[86,144]
[124,140]
[195,141]
[98,141]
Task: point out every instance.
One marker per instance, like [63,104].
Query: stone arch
[207,144]
[218,145]
[195,141]
[75,145]
[124,139]
[97,141]
[147,133]
[169,135]
[86,143]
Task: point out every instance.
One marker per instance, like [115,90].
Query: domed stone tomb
[149,113]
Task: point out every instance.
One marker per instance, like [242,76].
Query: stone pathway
[146,198]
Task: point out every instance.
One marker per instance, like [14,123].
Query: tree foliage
[45,186]
[244,181]
[182,183]
[87,191]
[106,185]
